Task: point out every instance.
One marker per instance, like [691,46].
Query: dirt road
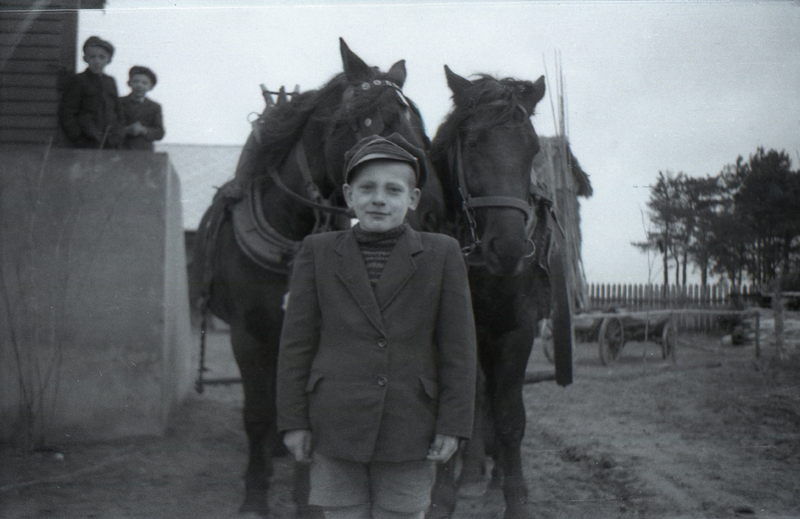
[715,435]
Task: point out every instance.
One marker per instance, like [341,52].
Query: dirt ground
[715,434]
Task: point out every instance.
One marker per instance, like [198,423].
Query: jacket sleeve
[299,342]
[155,124]
[115,130]
[69,108]
[456,348]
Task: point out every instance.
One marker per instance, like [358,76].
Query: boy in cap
[90,112]
[141,117]
[376,369]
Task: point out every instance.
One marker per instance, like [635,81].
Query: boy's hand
[298,441]
[138,128]
[442,448]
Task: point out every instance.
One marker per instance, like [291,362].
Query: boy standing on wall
[90,112]
[376,370]
[141,117]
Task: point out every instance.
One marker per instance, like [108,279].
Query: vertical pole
[758,333]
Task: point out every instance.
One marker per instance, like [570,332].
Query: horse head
[325,123]
[484,153]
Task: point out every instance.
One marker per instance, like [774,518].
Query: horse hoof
[476,489]
[438,512]
[516,511]
[254,510]
[279,450]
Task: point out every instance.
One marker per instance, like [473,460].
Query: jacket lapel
[399,268]
[353,274]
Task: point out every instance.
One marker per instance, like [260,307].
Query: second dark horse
[483,154]
[290,175]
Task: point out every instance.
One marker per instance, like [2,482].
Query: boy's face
[140,85]
[381,192]
[97,58]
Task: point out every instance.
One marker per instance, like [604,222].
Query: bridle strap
[499,201]
[469,203]
[316,201]
[472,202]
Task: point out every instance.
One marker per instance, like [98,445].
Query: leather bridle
[325,208]
[469,203]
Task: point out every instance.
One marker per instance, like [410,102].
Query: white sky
[679,86]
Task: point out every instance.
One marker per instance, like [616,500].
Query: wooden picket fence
[638,298]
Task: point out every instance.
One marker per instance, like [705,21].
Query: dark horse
[483,154]
[288,185]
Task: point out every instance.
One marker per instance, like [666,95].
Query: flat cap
[94,41]
[393,147]
[143,71]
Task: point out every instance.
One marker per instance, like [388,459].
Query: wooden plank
[28,121]
[29,80]
[32,67]
[29,107]
[31,40]
[28,94]
[25,135]
[24,13]
[661,313]
[36,53]
[38,26]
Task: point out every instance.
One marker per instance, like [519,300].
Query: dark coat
[375,374]
[89,108]
[148,113]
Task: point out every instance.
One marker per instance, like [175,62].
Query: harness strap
[312,190]
[273,174]
[499,201]
[257,239]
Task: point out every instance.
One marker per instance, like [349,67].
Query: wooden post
[758,333]
[777,312]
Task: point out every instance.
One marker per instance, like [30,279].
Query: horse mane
[489,102]
[282,126]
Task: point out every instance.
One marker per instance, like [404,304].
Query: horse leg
[473,463]
[509,415]
[301,488]
[443,495]
[257,363]
[473,457]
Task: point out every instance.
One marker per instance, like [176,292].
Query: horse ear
[397,74]
[354,67]
[532,94]
[458,85]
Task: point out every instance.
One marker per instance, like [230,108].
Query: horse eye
[472,143]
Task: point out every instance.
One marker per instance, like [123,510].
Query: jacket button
[381,381]
[382,343]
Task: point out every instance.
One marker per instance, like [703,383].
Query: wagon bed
[612,329]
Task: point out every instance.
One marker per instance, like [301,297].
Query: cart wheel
[546,337]
[610,339]
[669,339]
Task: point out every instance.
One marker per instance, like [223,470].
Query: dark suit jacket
[148,113]
[89,108]
[375,374]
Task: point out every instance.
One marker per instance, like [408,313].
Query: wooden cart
[611,330]
[615,330]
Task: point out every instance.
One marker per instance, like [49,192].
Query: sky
[650,86]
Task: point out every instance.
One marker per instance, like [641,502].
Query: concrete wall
[95,340]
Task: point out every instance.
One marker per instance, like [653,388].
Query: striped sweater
[376,247]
